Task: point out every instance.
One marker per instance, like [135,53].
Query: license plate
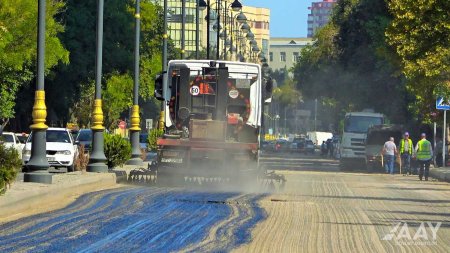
[50,159]
[171,160]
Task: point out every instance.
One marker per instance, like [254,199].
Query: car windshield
[55,136]
[7,138]
[360,124]
[85,136]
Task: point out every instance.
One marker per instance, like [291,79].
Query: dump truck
[213,122]
[352,147]
[376,137]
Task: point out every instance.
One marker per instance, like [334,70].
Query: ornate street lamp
[245,28]
[38,164]
[223,35]
[236,5]
[135,119]
[241,18]
[217,27]
[183,28]
[201,6]
[97,159]
[250,35]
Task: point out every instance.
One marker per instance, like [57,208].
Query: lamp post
[197,28]
[135,119]
[277,130]
[97,159]
[164,66]
[315,114]
[183,28]
[38,164]
[240,18]
[236,6]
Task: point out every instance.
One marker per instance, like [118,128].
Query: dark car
[297,145]
[84,138]
[309,147]
[281,145]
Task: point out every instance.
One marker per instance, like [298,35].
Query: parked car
[297,145]
[61,149]
[143,140]
[22,138]
[309,147]
[264,144]
[84,138]
[10,140]
[282,145]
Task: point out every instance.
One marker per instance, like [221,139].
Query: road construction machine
[212,123]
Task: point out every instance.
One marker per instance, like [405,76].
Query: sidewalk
[441,174]
[25,199]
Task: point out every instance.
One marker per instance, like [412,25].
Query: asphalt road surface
[320,210]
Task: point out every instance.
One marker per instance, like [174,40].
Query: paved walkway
[24,199]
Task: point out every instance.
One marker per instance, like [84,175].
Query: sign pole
[444,139]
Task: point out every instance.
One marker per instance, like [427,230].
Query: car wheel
[70,168]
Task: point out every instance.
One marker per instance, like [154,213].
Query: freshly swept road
[320,210]
[138,220]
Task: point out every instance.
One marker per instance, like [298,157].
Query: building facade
[319,16]
[257,18]
[284,53]
[174,8]
[259,21]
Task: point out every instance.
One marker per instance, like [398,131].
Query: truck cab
[352,146]
[213,118]
[376,137]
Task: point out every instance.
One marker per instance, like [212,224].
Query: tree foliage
[117,150]
[420,33]
[351,65]
[18,43]
[117,97]
[287,94]
[10,164]
[73,83]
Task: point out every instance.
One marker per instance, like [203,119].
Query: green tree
[117,97]
[18,33]
[70,81]
[287,94]
[420,33]
[351,65]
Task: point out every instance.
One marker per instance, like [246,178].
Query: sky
[287,17]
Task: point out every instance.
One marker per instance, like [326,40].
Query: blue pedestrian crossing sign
[442,104]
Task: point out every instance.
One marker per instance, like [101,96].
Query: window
[270,56]
[295,57]
[283,56]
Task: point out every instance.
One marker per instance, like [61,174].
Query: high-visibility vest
[424,150]
[402,146]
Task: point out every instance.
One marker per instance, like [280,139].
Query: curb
[26,199]
[441,174]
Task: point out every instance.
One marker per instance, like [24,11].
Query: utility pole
[183,28]
[38,164]
[135,119]
[315,115]
[97,159]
